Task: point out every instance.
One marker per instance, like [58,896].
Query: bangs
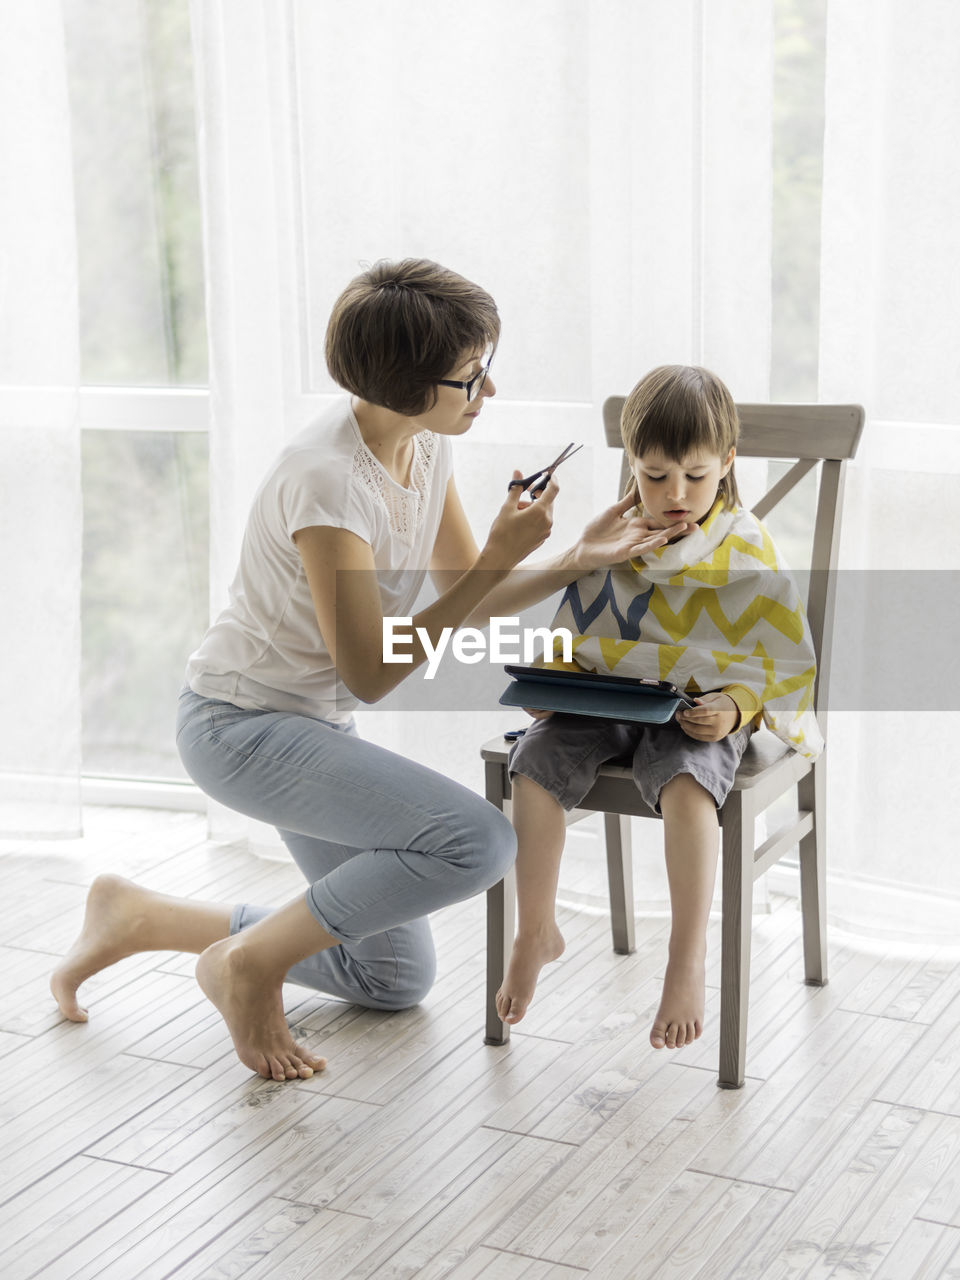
[677,429]
[678,410]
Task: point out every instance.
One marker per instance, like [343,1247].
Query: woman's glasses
[474,386]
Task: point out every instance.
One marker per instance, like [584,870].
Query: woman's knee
[488,848]
[406,992]
[397,969]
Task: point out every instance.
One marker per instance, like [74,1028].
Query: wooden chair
[812,434]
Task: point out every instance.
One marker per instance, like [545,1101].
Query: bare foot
[111,929]
[679,1019]
[530,953]
[252,1008]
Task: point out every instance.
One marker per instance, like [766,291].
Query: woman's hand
[615,535]
[714,716]
[520,526]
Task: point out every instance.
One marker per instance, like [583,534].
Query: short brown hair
[401,326]
[678,409]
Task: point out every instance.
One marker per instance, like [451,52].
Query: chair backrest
[824,434]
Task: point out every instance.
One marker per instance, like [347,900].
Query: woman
[342,532]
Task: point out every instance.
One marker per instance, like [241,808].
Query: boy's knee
[680,782]
[683,788]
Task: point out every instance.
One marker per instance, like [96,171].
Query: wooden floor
[137,1146]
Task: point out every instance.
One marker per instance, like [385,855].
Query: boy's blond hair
[679,409]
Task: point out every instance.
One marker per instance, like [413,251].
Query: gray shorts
[563,754]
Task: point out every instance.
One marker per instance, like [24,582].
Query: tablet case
[588,694]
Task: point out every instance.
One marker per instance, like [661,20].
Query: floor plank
[278,1238]
[136,1147]
[88,1193]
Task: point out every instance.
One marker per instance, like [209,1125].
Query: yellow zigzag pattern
[774,688]
[677,625]
[716,571]
[723,660]
[668,655]
[613,650]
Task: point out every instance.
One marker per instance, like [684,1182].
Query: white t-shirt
[265,651]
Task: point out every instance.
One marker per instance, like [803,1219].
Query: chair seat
[764,750]
[767,769]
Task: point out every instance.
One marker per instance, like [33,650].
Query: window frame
[173,409]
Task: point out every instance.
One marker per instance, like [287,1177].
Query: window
[798,113]
[144,342]
[144,592]
[144,595]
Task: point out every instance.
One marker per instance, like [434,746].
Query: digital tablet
[591,693]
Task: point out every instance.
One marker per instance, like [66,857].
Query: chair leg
[616,829]
[501,917]
[813,876]
[501,926]
[738,820]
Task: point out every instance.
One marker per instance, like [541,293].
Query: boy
[715,612]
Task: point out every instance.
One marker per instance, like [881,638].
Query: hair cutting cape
[716,608]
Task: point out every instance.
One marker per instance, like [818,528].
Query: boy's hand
[714,716]
[537,715]
[614,536]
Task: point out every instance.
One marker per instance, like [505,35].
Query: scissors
[536,483]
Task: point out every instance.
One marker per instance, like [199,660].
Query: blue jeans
[380,840]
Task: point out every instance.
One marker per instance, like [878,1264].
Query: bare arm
[614,535]
[343,583]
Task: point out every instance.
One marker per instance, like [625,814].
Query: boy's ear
[729,461]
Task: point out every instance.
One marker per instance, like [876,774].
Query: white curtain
[40,518]
[248,147]
[890,339]
[604,170]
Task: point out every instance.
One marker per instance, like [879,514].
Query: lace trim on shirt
[404,507]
